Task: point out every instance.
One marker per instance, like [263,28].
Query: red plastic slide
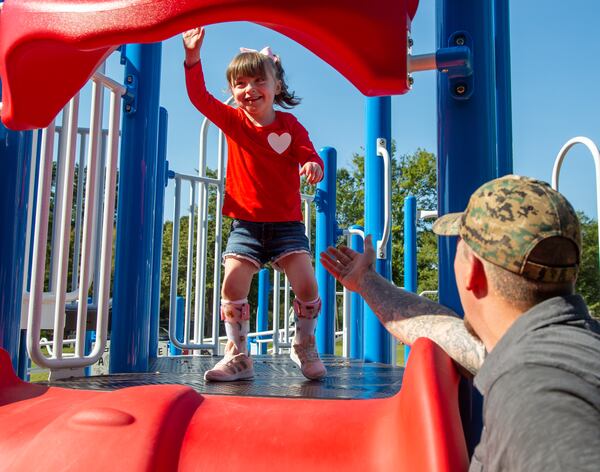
[50,48]
[173,428]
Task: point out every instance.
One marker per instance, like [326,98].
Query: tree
[588,282]
[412,174]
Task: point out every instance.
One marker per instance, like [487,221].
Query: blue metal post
[159,208]
[410,250]
[24,360]
[467,141]
[130,335]
[503,87]
[262,313]
[90,337]
[466,122]
[15,151]
[325,237]
[378,113]
[179,322]
[356,307]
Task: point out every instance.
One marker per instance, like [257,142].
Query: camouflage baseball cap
[505,220]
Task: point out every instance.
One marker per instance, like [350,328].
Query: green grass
[43,376]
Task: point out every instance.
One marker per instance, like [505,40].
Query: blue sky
[555,92]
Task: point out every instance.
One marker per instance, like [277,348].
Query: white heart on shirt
[279,142]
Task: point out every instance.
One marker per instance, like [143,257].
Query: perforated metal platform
[275,376]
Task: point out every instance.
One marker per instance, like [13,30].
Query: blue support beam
[130,330]
[378,113]
[262,312]
[15,153]
[159,210]
[410,251]
[467,145]
[466,121]
[356,307]
[325,237]
[503,87]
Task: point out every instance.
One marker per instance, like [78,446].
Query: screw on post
[460,89]
[460,40]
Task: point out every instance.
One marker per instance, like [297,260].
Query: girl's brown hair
[255,64]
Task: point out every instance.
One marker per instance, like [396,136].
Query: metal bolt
[460,89]
[411,80]
[410,42]
[129,79]
[128,108]
[459,40]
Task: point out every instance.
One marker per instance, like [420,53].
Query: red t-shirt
[263,182]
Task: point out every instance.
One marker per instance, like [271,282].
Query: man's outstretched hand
[349,266]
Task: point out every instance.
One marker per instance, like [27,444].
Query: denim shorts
[263,243]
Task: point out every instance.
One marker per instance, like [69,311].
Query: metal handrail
[387,199]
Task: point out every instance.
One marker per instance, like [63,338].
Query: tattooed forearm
[408,317]
[448,332]
[391,302]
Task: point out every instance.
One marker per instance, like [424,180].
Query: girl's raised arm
[192,41]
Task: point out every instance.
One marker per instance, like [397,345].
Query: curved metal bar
[595,152]
[387,199]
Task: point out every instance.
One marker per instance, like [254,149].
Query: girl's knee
[306,289]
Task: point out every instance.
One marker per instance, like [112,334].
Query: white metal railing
[100,175]
[196,339]
[595,152]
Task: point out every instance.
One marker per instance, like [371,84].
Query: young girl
[268,151]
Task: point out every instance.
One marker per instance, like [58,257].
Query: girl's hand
[312,171]
[192,41]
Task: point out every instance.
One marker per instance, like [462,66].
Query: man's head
[526,235]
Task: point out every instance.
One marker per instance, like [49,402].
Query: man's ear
[476,277]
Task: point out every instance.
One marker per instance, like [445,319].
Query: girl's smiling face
[255,95]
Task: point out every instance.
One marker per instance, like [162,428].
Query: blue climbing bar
[262,312]
[377,340]
[410,250]
[159,208]
[325,237]
[356,305]
[130,331]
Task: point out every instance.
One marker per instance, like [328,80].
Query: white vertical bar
[276,299]
[218,244]
[89,217]
[190,264]
[286,308]
[175,262]
[39,245]
[78,211]
[108,224]
[64,224]
[202,241]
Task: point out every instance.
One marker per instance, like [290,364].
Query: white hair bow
[266,51]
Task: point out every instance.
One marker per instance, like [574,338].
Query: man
[517,256]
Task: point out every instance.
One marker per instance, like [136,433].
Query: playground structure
[176,428]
